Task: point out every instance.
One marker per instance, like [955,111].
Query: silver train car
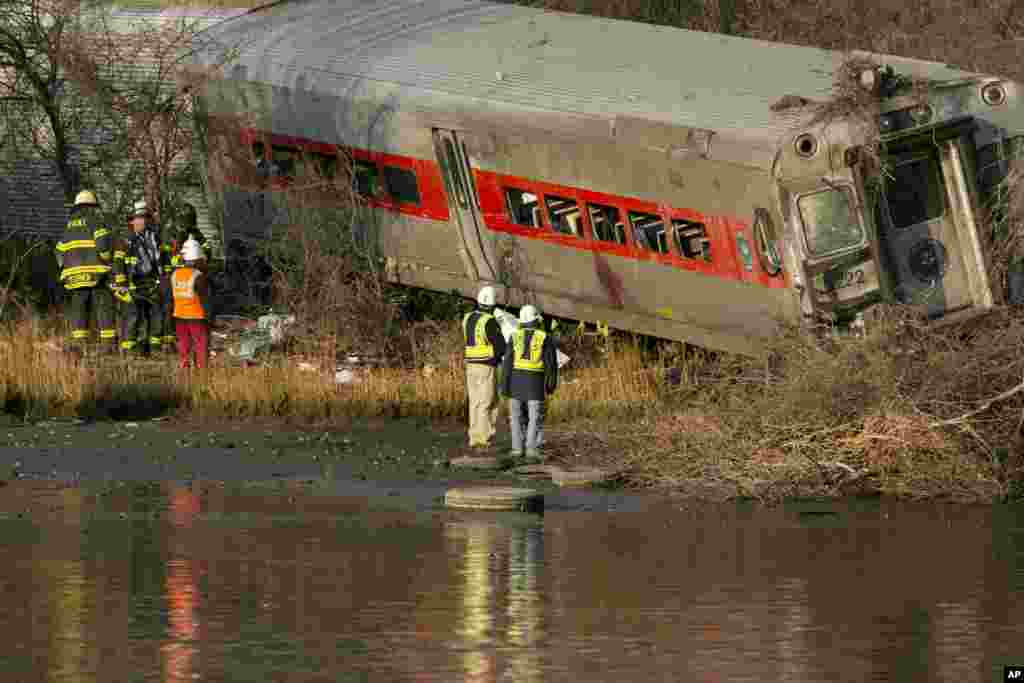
[616,172]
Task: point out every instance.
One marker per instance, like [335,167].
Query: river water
[176,582]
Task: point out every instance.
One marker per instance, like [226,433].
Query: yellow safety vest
[529,359]
[481,348]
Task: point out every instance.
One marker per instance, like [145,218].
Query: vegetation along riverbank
[901,411]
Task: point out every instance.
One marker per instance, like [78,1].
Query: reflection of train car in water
[622,172]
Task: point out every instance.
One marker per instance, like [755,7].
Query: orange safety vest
[186,300]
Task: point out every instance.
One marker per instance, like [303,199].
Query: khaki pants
[481,385]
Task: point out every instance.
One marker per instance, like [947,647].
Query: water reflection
[68,587]
[525,603]
[500,574]
[174,584]
[179,648]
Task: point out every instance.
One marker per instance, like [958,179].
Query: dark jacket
[529,385]
[85,252]
[493,331]
[145,260]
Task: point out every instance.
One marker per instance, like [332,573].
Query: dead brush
[622,385]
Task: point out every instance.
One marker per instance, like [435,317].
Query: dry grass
[37,380]
[827,416]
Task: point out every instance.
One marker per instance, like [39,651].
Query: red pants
[192,335]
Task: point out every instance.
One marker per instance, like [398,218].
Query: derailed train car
[621,172]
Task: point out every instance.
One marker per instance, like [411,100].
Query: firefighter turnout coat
[85,250]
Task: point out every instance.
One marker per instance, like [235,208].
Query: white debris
[276,324]
[344,376]
[562,358]
[508,322]
[307,366]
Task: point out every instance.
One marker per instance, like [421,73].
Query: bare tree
[104,97]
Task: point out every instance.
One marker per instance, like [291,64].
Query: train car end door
[926,217]
[476,251]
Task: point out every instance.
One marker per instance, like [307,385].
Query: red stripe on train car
[725,261]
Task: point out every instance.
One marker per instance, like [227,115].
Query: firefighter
[85,258]
[529,374]
[142,324]
[191,292]
[119,285]
[168,250]
[485,347]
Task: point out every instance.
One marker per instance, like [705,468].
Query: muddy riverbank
[174,449]
[380,453]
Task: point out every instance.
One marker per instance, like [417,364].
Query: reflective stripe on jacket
[84,252]
[188,305]
[526,347]
[478,344]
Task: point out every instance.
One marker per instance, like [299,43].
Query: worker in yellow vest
[485,347]
[190,290]
[529,374]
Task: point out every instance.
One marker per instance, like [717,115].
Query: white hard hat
[139,209]
[487,296]
[528,314]
[86,197]
[191,250]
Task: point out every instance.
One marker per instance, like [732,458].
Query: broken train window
[649,231]
[607,224]
[523,207]
[365,178]
[691,239]
[401,185]
[564,214]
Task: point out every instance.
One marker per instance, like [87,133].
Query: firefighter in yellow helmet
[485,346]
[529,374]
[85,256]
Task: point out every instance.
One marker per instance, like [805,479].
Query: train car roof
[489,57]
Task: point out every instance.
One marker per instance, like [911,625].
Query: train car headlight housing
[806,145]
[993,94]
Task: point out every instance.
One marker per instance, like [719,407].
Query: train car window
[607,223]
[914,192]
[830,222]
[287,160]
[691,239]
[523,207]
[401,184]
[365,178]
[564,214]
[326,165]
[649,231]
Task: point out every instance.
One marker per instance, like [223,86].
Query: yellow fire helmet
[87,198]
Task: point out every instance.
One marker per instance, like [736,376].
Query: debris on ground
[276,325]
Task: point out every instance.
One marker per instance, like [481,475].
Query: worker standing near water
[191,293]
[529,374]
[485,347]
[85,260]
[142,322]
